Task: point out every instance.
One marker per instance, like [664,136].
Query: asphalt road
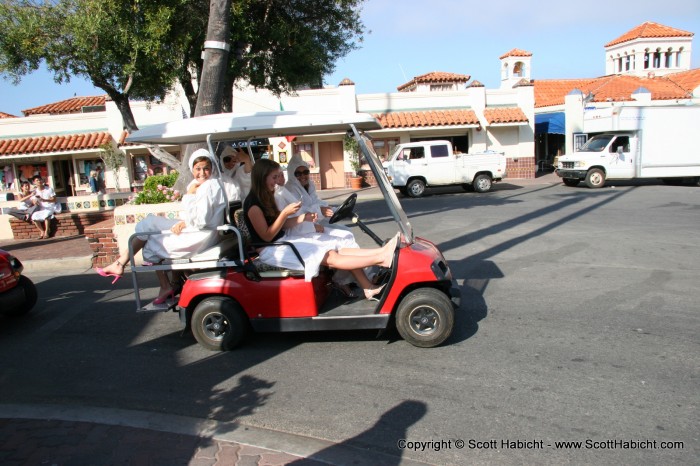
[579,323]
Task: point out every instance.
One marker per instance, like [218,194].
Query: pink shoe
[163,298]
[100,271]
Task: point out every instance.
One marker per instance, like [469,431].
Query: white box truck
[414,166]
[631,142]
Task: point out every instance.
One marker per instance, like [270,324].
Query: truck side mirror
[620,149]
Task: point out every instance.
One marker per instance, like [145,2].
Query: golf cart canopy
[227,127]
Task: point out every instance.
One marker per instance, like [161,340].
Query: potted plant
[351,146]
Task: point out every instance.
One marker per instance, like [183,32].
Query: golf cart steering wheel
[345,210]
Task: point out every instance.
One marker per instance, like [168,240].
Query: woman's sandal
[370,293]
[100,271]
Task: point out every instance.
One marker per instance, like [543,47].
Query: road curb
[57,264]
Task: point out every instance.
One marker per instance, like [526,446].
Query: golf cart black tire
[430,304]
[482,183]
[219,323]
[415,188]
[595,178]
[30,297]
[572,182]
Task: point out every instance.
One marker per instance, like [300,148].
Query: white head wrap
[215,171]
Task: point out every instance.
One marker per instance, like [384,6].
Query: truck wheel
[30,297]
[219,324]
[415,188]
[595,178]
[425,317]
[571,181]
[482,183]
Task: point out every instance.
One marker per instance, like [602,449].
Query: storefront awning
[550,123]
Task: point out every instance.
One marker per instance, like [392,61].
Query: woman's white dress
[202,213]
[46,208]
[312,246]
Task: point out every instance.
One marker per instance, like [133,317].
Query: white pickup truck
[417,165]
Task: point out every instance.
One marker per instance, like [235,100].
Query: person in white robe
[45,199]
[235,175]
[204,205]
[266,223]
[299,188]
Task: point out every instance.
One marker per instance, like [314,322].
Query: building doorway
[331,166]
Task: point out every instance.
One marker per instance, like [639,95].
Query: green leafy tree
[123,47]
[137,49]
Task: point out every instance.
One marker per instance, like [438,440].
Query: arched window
[518,69]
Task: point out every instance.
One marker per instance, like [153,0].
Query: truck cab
[604,156]
[414,166]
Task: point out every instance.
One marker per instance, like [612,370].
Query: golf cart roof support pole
[250,150]
[137,293]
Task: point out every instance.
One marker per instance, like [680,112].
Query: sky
[414,37]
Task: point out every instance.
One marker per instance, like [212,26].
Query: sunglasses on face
[299,174]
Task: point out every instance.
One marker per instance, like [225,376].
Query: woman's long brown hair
[261,170]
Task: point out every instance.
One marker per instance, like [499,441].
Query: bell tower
[515,66]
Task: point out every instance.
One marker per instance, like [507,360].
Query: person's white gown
[202,212]
[311,244]
[46,208]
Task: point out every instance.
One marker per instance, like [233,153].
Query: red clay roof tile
[516,53]
[617,88]
[6,115]
[649,29]
[436,77]
[72,105]
[428,118]
[63,143]
[504,115]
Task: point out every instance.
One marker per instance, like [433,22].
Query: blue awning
[550,123]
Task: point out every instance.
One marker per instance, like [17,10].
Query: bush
[158,189]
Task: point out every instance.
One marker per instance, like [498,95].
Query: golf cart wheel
[571,181]
[219,323]
[425,317]
[30,297]
[415,188]
[482,183]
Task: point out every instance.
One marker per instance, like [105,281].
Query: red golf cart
[228,292]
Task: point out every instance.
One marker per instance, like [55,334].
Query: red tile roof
[617,87]
[44,144]
[516,53]
[427,118]
[504,115]
[649,30]
[436,77]
[6,115]
[72,105]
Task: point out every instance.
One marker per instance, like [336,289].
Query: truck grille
[567,164]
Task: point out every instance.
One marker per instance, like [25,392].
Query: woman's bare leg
[117,267]
[361,279]
[38,227]
[165,285]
